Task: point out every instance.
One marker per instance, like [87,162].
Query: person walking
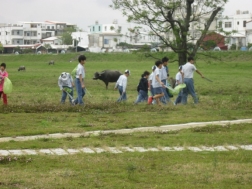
[79,81]
[157,84]
[3,75]
[164,75]
[121,85]
[179,80]
[66,85]
[142,88]
[187,71]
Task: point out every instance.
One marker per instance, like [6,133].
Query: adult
[179,80]
[157,84]
[121,85]
[66,85]
[79,81]
[187,71]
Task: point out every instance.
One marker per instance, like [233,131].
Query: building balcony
[32,37]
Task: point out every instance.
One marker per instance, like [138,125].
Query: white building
[237,26]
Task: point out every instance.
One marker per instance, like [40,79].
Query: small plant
[131,170]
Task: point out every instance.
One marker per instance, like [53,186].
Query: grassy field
[34,108]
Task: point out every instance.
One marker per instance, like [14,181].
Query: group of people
[156,83]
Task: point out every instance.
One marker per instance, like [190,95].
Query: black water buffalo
[21,68]
[51,62]
[107,76]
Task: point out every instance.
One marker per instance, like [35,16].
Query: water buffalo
[21,68]
[51,62]
[107,76]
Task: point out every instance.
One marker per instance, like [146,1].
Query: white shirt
[163,73]
[65,82]
[155,82]
[151,78]
[122,81]
[179,78]
[80,70]
[188,70]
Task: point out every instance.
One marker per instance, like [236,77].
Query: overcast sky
[80,12]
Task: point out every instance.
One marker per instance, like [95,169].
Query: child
[157,84]
[150,80]
[121,85]
[66,84]
[164,75]
[179,80]
[3,75]
[142,88]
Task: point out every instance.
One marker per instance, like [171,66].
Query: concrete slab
[178,148]
[167,149]
[127,149]
[231,147]
[73,151]
[194,149]
[210,149]
[87,150]
[114,150]
[246,147]
[46,151]
[220,148]
[99,150]
[16,152]
[4,153]
[59,151]
[153,149]
[30,152]
[140,149]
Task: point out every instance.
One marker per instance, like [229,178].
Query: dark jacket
[143,85]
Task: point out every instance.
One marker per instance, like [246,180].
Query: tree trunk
[182,58]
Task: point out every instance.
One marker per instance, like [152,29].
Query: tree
[47,46]
[1,47]
[175,22]
[67,37]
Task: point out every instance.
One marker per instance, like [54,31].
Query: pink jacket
[2,76]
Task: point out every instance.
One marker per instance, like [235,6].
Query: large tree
[176,22]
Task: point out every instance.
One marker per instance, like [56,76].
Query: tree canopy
[66,36]
[176,22]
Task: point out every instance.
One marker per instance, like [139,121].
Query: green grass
[34,108]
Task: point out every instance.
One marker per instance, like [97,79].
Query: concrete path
[127,131]
[117,150]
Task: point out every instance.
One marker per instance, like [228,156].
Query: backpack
[73,73]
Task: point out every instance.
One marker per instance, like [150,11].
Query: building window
[228,24]
[105,28]
[18,32]
[220,24]
[52,27]
[18,42]
[48,27]
[244,24]
[238,23]
[99,28]
[106,41]
[93,28]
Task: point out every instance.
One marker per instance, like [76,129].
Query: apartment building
[25,33]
